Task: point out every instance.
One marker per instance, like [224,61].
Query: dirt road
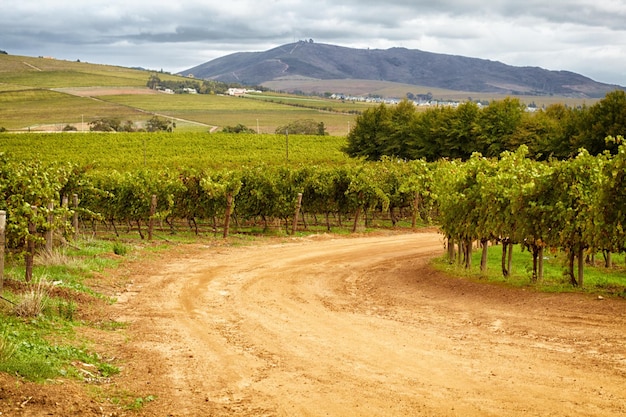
[327,326]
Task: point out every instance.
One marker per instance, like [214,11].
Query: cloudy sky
[583,36]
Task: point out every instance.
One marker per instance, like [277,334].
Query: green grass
[35,358]
[52,73]
[46,346]
[597,279]
[34,108]
[221,111]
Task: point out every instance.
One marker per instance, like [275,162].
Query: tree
[104,125]
[497,124]
[401,129]
[431,129]
[302,127]
[605,118]
[370,131]
[153,82]
[158,124]
[461,137]
[239,128]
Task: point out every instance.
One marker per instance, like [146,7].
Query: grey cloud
[533,32]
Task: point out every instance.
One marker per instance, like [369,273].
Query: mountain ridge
[307,59]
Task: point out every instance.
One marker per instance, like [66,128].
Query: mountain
[309,60]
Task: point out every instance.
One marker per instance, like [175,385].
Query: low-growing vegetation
[38,319]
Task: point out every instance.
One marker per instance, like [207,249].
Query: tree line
[201,86]
[558,131]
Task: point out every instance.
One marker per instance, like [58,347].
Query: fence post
[153,206]
[229,208]
[294,227]
[75,219]
[30,245]
[49,231]
[3,222]
[416,208]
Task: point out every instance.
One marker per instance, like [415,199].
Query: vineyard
[257,182]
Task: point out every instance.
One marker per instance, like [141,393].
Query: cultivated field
[38,94]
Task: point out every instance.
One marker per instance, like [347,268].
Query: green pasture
[221,111]
[597,278]
[54,73]
[27,101]
[58,79]
[130,151]
[37,109]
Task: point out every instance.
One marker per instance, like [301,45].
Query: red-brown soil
[329,326]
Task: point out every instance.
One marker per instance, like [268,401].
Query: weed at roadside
[7,348]
[34,301]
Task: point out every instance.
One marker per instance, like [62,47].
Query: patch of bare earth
[359,326]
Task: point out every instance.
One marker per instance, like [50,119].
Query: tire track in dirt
[361,326]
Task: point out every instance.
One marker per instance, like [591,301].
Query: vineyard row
[576,205]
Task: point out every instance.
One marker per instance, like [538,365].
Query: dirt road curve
[327,326]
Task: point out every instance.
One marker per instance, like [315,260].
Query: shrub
[303,127]
[238,129]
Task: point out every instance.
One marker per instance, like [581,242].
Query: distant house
[164,90]
[236,91]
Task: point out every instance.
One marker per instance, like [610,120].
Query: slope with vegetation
[315,61]
[51,95]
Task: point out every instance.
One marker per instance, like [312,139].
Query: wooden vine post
[49,231]
[153,206]
[3,223]
[75,218]
[416,202]
[30,245]
[229,208]
[294,227]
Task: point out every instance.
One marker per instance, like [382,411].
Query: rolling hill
[306,60]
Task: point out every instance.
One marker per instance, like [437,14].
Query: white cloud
[583,36]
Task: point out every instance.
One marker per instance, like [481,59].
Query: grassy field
[597,278]
[40,109]
[27,101]
[217,110]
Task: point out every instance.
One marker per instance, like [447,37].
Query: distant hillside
[400,65]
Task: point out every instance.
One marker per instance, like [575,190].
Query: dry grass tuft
[34,301]
[53,258]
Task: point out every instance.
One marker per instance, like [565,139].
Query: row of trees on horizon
[557,131]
